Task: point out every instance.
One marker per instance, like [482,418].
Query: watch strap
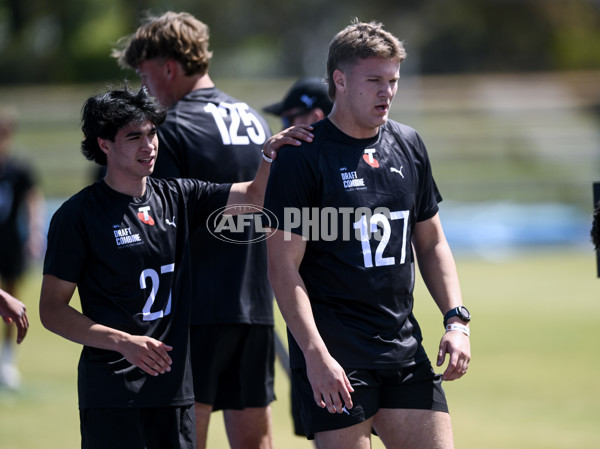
[455,312]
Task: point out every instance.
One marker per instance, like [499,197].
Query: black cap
[307,93]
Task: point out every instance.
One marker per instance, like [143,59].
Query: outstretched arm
[14,311]
[438,270]
[59,317]
[328,380]
[253,192]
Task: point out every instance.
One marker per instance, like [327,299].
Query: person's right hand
[331,388]
[148,354]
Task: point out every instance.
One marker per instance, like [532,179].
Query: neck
[187,84]
[134,188]
[348,124]
[203,82]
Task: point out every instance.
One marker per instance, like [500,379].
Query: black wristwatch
[460,311]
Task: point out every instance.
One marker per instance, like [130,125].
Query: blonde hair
[361,40]
[178,36]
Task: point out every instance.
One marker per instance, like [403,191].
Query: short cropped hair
[361,40]
[105,114]
[178,36]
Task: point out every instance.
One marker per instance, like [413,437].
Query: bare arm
[253,192]
[328,380]
[438,270]
[35,213]
[14,311]
[60,317]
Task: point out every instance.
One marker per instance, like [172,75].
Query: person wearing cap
[306,102]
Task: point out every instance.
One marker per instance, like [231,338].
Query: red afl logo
[369,159]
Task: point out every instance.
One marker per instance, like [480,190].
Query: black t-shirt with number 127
[356,201]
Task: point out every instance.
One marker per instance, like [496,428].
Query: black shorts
[233,365]
[414,387]
[138,428]
[12,262]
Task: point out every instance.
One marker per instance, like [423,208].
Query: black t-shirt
[16,180]
[356,201]
[211,136]
[129,258]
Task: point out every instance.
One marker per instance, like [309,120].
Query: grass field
[532,382]
[533,379]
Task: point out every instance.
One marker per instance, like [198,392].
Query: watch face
[463,313]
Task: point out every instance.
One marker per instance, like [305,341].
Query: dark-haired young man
[351,206]
[212,136]
[123,242]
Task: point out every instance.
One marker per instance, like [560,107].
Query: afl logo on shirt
[144,216]
[369,159]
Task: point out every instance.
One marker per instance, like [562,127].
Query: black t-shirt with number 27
[129,258]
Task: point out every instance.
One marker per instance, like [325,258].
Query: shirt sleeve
[67,246]
[429,196]
[292,186]
[203,199]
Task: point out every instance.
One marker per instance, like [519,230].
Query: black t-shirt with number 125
[212,136]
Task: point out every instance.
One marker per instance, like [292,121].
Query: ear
[103,144]
[171,68]
[339,80]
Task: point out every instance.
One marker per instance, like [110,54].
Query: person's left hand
[13,310]
[290,136]
[458,347]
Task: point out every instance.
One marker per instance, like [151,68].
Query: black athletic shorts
[233,365]
[138,428]
[12,262]
[414,387]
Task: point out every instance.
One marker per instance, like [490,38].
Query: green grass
[531,384]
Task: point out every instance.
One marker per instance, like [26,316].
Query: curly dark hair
[105,114]
[595,232]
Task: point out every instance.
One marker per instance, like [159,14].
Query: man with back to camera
[351,206]
[212,136]
[306,102]
[123,242]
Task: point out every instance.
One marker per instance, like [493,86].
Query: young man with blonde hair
[351,206]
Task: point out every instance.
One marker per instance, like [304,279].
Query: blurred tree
[70,40]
